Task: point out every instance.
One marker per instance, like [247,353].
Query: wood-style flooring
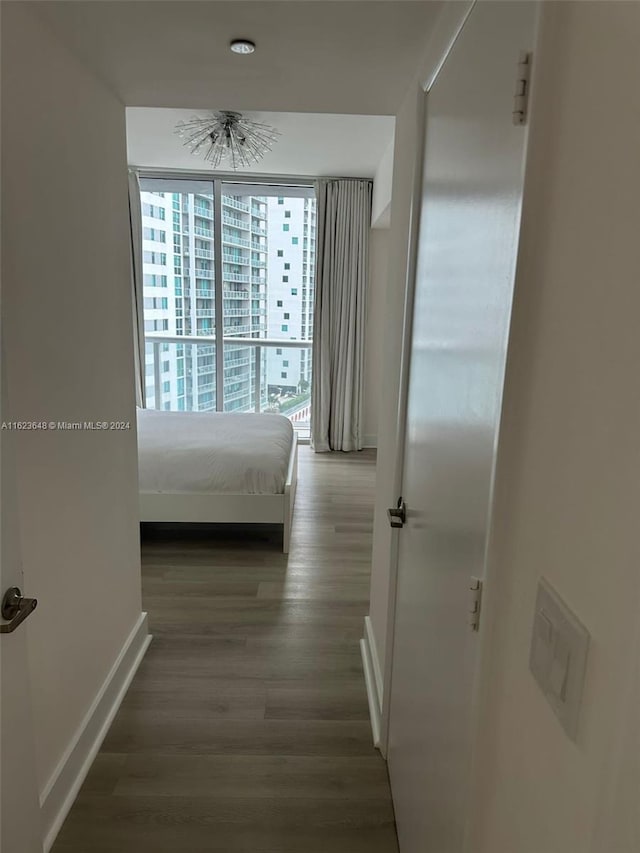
[246,728]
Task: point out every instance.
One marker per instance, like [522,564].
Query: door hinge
[521,95]
[475,603]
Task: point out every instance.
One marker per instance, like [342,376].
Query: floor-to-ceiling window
[228,296]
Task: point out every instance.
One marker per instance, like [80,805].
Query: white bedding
[213,452]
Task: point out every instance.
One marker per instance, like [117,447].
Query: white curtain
[342,261]
[135,222]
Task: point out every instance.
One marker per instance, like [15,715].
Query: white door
[470,212]
[19,809]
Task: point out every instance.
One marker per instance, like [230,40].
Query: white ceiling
[318,57]
[313,144]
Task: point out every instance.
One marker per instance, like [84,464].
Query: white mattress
[213,452]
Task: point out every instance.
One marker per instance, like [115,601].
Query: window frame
[165,181]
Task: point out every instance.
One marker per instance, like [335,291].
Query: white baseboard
[373,651]
[61,790]
[373,679]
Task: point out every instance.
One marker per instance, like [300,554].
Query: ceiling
[319,57]
[326,144]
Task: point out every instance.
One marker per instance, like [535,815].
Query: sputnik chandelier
[227,136]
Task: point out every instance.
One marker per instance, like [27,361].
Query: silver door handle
[15,609]
[397,515]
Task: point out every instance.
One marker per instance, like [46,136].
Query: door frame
[441,45]
[20,799]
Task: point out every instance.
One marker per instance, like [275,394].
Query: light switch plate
[558,657]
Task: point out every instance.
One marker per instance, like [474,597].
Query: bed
[217,467]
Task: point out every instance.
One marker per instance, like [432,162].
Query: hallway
[246,727]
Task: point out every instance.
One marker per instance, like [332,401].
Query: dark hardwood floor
[246,727]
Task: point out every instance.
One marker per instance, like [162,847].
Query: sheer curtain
[342,261]
[135,221]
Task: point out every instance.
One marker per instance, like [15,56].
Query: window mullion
[217,253]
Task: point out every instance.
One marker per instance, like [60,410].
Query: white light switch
[558,656]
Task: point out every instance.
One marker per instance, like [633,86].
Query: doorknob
[15,609]
[398,515]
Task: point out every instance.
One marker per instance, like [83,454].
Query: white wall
[568,481]
[374,335]
[68,339]
[618,819]
[321,144]
[407,146]
[383,190]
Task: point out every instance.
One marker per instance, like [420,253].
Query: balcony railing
[237,395]
[234,222]
[202,253]
[228,201]
[236,362]
[256,362]
[232,240]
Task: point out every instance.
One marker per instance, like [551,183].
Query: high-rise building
[179,296]
[291,228]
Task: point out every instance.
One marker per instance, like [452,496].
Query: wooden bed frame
[228,508]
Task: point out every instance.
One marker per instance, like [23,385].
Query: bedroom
[236,336]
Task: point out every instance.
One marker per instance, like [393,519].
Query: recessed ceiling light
[242,46]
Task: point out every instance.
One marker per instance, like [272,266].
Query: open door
[468,237]
[20,830]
